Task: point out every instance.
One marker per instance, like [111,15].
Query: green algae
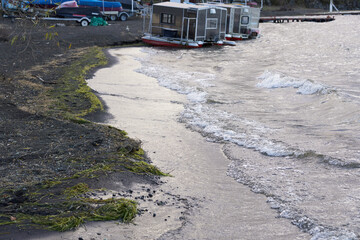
[76,190]
[94,171]
[144,168]
[81,211]
[73,97]
[50,183]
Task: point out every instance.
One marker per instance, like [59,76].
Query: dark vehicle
[130,5]
[77,12]
[81,15]
[129,8]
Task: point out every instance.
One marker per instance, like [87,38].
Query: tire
[84,23]
[123,17]
[113,17]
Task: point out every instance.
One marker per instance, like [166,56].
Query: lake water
[285,109]
[293,97]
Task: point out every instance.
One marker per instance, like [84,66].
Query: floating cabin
[254,22]
[186,25]
[242,22]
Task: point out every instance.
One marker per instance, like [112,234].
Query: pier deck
[297,19]
[316,17]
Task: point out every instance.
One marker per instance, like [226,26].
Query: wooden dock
[317,17]
[297,19]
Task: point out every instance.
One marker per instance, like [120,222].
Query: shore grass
[74,99]
[144,168]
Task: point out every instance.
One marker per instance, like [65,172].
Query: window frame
[167,18]
[209,20]
[245,17]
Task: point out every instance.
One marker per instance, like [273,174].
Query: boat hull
[162,42]
[234,38]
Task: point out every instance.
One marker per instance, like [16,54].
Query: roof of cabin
[223,5]
[182,5]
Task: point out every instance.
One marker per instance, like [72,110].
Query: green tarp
[98,21]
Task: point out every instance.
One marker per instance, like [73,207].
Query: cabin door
[189,28]
[230,21]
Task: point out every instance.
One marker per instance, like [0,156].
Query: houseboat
[242,22]
[254,22]
[186,25]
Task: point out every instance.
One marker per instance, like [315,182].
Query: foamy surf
[286,208]
[303,86]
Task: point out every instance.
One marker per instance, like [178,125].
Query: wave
[303,86]
[220,126]
[213,124]
[286,209]
[190,84]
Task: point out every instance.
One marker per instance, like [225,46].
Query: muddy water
[283,109]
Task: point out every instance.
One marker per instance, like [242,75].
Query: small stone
[98,233]
[154,215]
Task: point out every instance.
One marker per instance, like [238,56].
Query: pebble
[154,215]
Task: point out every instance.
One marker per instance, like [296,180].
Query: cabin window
[211,23]
[245,20]
[167,18]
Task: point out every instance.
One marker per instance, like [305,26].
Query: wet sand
[221,207]
[214,205]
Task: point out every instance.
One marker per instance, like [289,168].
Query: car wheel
[84,23]
[123,17]
[113,17]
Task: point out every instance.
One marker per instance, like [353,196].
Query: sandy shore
[220,208]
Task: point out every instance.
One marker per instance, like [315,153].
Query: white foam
[213,123]
[286,209]
[191,84]
[304,86]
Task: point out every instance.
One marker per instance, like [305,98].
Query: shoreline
[14,103]
[151,115]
